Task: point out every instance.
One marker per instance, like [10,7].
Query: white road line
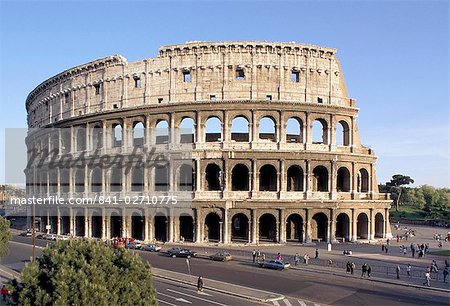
[196,297]
[164,302]
[286,301]
[201,293]
[175,298]
[30,245]
[302,303]
[276,303]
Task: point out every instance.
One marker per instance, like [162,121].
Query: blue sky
[394,56]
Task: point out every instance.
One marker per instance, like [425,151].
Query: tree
[80,272]
[396,186]
[5,236]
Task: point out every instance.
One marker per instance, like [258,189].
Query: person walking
[369,270]
[263,257]
[278,258]
[363,270]
[306,259]
[296,259]
[382,248]
[348,267]
[398,272]
[254,255]
[427,279]
[200,284]
[445,273]
[352,268]
[408,270]
[4,292]
[413,251]
[386,249]
[317,254]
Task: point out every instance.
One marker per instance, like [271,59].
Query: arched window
[213,177]
[239,178]
[213,130]
[187,130]
[294,178]
[65,140]
[53,181]
[320,131]
[137,179]
[162,132]
[186,178]
[81,139]
[138,134]
[342,134]
[55,142]
[240,129]
[267,129]
[117,135]
[363,180]
[96,180]
[294,130]
[64,181]
[97,137]
[343,180]
[267,178]
[79,180]
[115,179]
[320,179]
[162,178]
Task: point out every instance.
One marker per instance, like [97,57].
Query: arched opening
[65,225]
[137,179]
[363,180]
[343,227]
[96,228]
[294,130]
[64,181]
[162,178]
[294,178]
[81,139]
[115,225]
[379,225]
[117,135]
[320,131]
[79,180]
[66,137]
[240,129]
[186,178]
[53,181]
[161,228]
[79,226]
[342,134]
[162,132]
[267,129]
[55,143]
[267,228]
[319,227]
[97,137]
[267,178]
[239,228]
[43,182]
[362,226]
[239,178]
[137,226]
[187,130]
[116,180]
[213,177]
[53,224]
[96,180]
[294,228]
[186,228]
[212,227]
[213,129]
[320,179]
[138,134]
[343,180]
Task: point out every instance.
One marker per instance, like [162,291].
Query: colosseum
[275,150]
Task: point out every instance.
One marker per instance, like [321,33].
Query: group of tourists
[258,256]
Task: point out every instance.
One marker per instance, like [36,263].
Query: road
[296,285]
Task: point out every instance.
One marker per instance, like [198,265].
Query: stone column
[221,232]
[171,227]
[254,134]
[371,225]
[354,226]
[254,226]
[225,226]
[146,225]
[308,175]
[104,226]
[282,221]
[307,226]
[385,223]
[332,225]
[254,178]
[198,176]
[124,223]
[58,221]
[332,180]
[198,223]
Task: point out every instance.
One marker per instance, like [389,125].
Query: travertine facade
[262,175]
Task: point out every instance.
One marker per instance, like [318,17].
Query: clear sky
[394,56]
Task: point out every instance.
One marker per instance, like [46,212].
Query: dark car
[274,264]
[179,252]
[221,256]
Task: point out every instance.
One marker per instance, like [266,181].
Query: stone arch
[294,130]
[64,180]
[81,139]
[267,128]
[319,227]
[240,227]
[240,178]
[137,225]
[363,180]
[96,180]
[343,227]
[96,223]
[117,135]
[138,133]
[294,227]
[66,137]
[379,225]
[79,180]
[187,130]
[213,175]
[212,227]
[240,129]
[320,179]
[186,178]
[268,178]
[267,227]
[342,133]
[115,179]
[161,228]
[186,228]
[162,132]
[362,226]
[295,178]
[137,178]
[97,136]
[319,131]
[343,180]
[213,129]
[162,177]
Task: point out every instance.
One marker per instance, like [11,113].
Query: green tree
[80,272]
[5,236]
[396,187]
[436,202]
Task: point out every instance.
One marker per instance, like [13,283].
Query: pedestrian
[408,270]
[278,258]
[388,241]
[200,284]
[317,254]
[404,251]
[413,250]
[369,270]
[4,292]
[352,268]
[364,270]
[398,238]
[386,249]
[306,259]
[447,263]
[398,272]
[296,259]
[258,253]
[254,255]
[263,257]
[427,279]
[434,267]
[445,273]
[382,248]
[348,267]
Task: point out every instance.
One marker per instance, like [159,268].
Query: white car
[151,247]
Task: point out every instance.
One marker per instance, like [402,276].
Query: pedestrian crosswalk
[293,302]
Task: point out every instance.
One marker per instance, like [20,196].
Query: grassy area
[408,212]
[441,253]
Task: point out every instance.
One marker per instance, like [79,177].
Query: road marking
[201,292]
[276,303]
[175,298]
[30,245]
[196,297]
[302,303]
[286,301]
[164,302]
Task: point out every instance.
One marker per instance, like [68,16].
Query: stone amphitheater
[275,150]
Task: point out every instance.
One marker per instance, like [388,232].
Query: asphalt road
[307,286]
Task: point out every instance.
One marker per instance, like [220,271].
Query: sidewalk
[226,288]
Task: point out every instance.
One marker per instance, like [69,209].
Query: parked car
[50,237]
[151,247]
[274,264]
[179,252]
[133,245]
[221,256]
[26,234]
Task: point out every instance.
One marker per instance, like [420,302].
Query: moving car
[221,256]
[274,264]
[133,245]
[151,247]
[179,252]
[26,234]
